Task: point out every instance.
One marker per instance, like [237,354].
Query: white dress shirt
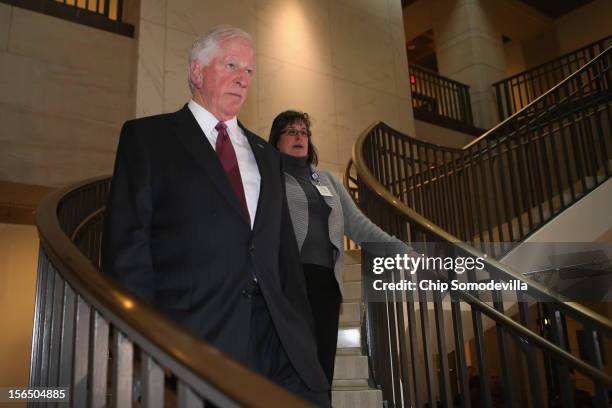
[249,172]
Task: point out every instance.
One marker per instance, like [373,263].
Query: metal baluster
[504,190]
[99,362]
[412,338]
[81,354]
[47,321]
[517,213]
[187,398]
[123,363]
[561,372]
[442,353]
[462,374]
[529,352]
[68,336]
[473,191]
[152,382]
[38,325]
[525,180]
[502,345]
[591,339]
[427,352]
[540,151]
[485,383]
[56,328]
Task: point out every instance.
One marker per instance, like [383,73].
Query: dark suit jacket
[175,236]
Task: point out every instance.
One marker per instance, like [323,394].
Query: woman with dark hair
[322,212]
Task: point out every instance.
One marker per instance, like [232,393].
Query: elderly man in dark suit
[198,226]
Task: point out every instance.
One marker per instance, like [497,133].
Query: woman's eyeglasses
[295,132]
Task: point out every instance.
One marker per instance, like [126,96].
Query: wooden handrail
[203,368]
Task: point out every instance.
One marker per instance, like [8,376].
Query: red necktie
[227,156]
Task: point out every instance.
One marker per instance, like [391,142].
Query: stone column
[469,49]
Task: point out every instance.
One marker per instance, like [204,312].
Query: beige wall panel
[5,18]
[53,165]
[406,119]
[176,89]
[38,128]
[396,17]
[153,11]
[541,48]
[65,89]
[400,60]
[361,48]
[285,31]
[18,257]
[59,42]
[285,86]
[378,9]
[150,74]
[584,25]
[62,90]
[337,169]
[196,16]
[50,150]
[440,135]
[517,20]
[359,107]
[468,49]
[515,60]
[455,55]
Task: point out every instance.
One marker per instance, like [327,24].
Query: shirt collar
[208,121]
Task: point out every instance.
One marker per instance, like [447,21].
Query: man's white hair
[206,47]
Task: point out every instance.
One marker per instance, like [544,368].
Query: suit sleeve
[126,250]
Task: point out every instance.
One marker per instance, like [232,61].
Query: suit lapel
[263,164]
[191,136]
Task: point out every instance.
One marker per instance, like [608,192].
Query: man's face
[221,86]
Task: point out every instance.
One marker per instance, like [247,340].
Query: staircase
[502,187]
[351,387]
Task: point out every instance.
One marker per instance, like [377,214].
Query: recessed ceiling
[556,8]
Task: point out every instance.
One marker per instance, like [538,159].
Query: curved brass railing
[404,222]
[515,92]
[105,345]
[501,187]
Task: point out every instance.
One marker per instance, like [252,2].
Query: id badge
[324,191]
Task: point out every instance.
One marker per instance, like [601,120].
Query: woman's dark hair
[286,118]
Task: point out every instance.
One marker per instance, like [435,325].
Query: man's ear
[195,72]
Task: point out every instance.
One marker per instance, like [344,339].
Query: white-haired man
[197,223]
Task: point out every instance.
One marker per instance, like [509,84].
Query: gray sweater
[344,218]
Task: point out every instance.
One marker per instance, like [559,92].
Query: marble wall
[65,89]
[342,61]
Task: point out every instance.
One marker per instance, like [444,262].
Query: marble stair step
[371,398]
[349,351]
[352,257]
[351,273]
[351,367]
[352,291]
[349,337]
[350,314]
[347,385]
